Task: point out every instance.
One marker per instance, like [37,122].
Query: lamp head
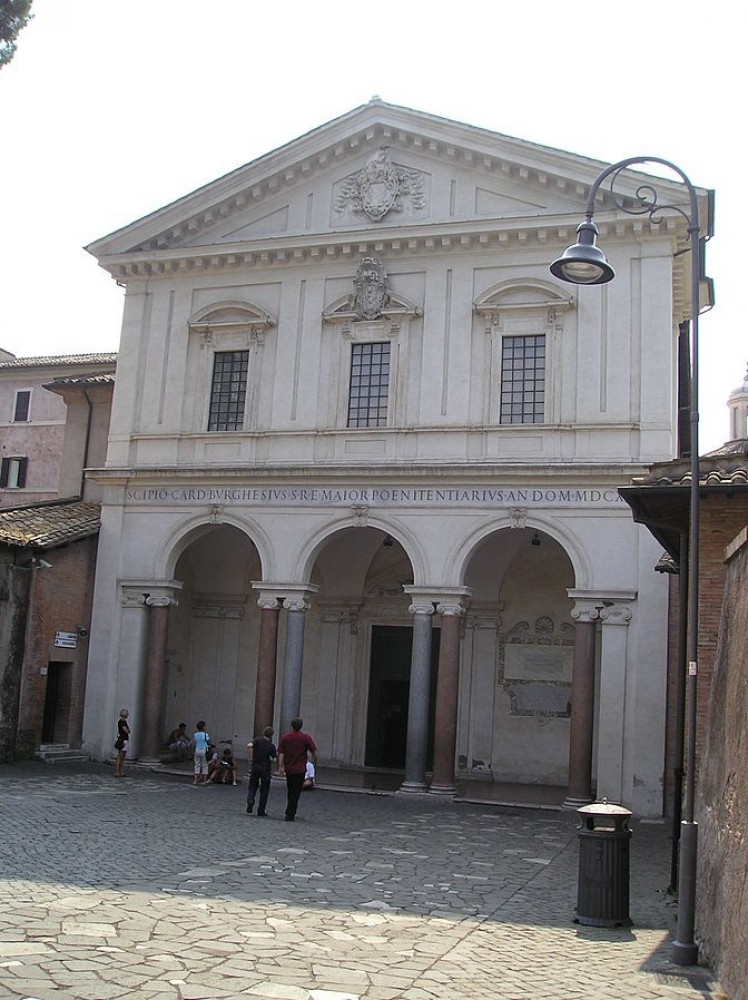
[584,263]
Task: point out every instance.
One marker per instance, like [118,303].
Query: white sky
[114,108]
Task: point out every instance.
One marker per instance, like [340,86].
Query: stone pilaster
[585,615]
[613,701]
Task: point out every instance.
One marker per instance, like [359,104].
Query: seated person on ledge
[224,772]
[309,777]
[212,757]
[179,741]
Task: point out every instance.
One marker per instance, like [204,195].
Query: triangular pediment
[376,170]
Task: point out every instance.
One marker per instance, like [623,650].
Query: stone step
[60,753]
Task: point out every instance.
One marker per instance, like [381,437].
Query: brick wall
[723,515]
[14,588]
[60,600]
[722,885]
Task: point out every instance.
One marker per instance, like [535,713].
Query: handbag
[119,743]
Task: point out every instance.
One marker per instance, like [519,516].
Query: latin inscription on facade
[419,496]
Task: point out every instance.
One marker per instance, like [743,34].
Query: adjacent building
[55,421]
[51,424]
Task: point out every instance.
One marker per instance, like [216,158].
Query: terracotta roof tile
[726,466]
[60,360]
[50,524]
[102,378]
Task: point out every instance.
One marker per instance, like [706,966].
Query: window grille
[229,391]
[370,384]
[523,380]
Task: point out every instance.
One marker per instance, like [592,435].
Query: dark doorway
[389,688]
[57,703]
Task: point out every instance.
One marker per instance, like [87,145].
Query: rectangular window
[370,385]
[229,391]
[13,473]
[523,380]
[23,405]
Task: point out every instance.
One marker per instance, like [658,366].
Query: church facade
[364,461]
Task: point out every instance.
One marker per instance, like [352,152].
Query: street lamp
[585,264]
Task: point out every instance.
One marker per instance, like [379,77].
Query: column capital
[297,602]
[268,602]
[617,614]
[584,611]
[161,600]
[421,608]
[450,608]
[132,597]
[291,596]
[435,597]
[138,593]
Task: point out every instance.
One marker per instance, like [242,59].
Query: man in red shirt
[292,757]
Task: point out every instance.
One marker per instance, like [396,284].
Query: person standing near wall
[200,741]
[294,750]
[122,742]
[261,753]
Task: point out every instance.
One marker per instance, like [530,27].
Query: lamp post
[585,264]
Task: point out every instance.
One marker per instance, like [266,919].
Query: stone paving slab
[149,887]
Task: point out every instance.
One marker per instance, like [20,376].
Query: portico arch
[392,528]
[465,548]
[518,654]
[186,533]
[213,630]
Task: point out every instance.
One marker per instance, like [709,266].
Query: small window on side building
[23,406]
[13,473]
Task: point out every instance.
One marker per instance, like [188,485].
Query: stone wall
[14,590]
[722,904]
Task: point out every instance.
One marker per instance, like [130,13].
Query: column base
[412,788]
[152,763]
[576,802]
[442,791]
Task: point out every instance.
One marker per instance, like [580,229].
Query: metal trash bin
[603,889]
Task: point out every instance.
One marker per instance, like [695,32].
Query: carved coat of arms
[381,186]
[371,289]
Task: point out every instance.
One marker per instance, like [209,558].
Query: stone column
[447,688]
[297,607]
[155,677]
[418,700]
[613,702]
[131,665]
[266,663]
[582,707]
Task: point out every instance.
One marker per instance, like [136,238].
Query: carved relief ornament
[381,186]
[371,289]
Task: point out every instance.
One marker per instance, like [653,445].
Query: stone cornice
[528,473]
[470,236]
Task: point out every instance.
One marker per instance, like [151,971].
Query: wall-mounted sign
[66,640]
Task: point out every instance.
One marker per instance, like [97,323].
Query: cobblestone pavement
[148,887]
